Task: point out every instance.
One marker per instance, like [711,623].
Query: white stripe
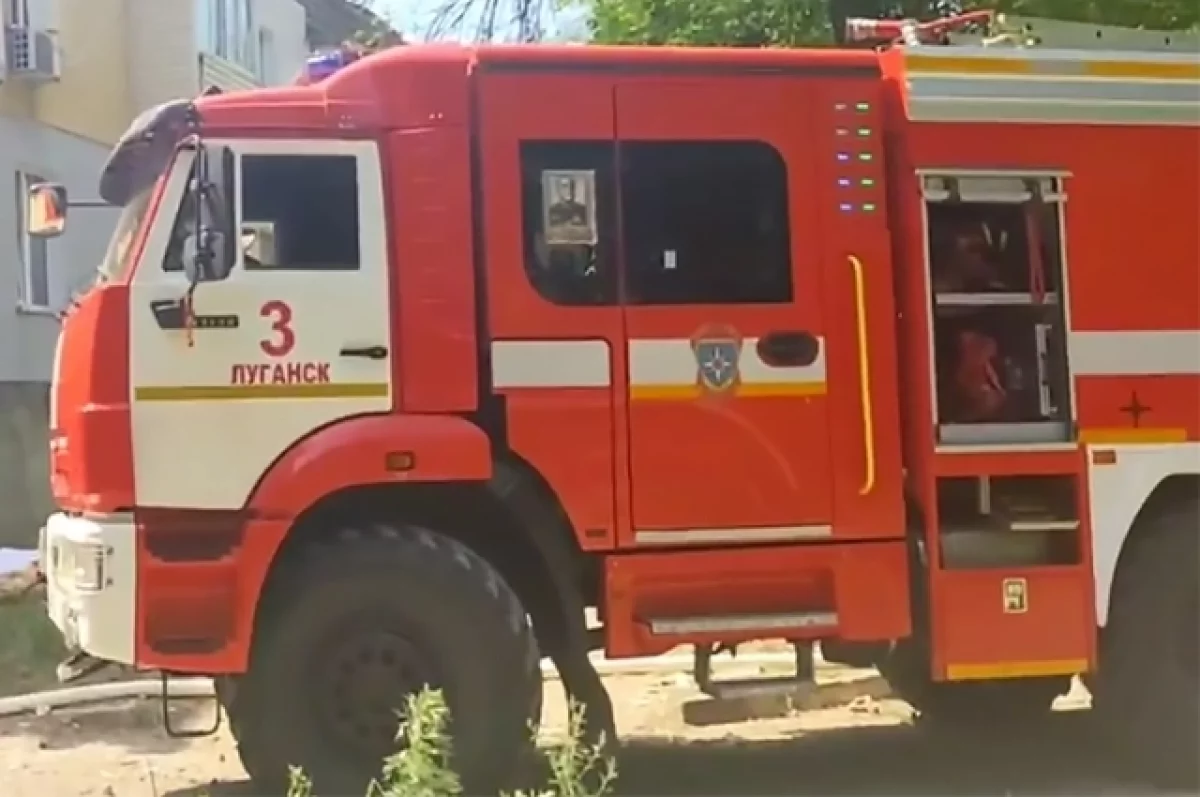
[1135,353]
[664,362]
[716,536]
[671,361]
[550,363]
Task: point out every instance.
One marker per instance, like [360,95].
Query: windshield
[129,224]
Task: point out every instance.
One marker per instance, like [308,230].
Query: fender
[354,452]
[1116,494]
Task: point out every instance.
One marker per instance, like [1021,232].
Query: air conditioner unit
[30,54]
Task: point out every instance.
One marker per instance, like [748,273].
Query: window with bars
[226,28]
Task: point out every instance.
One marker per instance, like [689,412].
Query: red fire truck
[385,380]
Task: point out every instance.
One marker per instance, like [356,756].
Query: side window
[568,215]
[184,225]
[705,223]
[300,212]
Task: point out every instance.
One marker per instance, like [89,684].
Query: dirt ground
[867,747]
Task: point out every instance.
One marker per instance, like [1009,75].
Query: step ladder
[742,688]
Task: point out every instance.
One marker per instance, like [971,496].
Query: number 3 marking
[280,315]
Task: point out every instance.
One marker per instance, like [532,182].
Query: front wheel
[355,626]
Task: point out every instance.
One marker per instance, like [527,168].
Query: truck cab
[396,374]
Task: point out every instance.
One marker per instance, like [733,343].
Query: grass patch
[30,645]
[422,768]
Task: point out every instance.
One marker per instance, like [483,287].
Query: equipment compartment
[1010,521]
[997,298]
[1014,623]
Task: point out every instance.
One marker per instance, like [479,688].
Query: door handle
[369,352]
[172,314]
[168,313]
[789,348]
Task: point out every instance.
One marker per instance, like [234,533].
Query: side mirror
[203,256]
[46,210]
[209,252]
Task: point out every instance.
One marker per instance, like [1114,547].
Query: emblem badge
[718,350]
[1016,596]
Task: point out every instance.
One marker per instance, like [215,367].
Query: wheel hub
[363,684]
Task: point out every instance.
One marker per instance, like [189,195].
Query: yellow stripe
[1151,71]
[1129,70]
[251,392]
[753,390]
[970,66]
[1014,669]
[1117,435]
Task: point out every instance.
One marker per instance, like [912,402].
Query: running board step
[742,688]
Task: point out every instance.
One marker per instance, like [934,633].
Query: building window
[266,58]
[705,223]
[569,216]
[16,13]
[34,252]
[300,212]
[226,28]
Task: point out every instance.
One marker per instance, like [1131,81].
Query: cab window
[705,222]
[300,212]
[567,198]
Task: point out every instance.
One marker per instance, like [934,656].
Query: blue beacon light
[322,65]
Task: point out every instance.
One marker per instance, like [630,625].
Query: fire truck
[385,380]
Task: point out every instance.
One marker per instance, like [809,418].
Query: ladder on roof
[987,28]
[1010,30]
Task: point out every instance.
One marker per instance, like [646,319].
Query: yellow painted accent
[864,376]
[970,66]
[753,390]
[16,99]
[1142,70]
[1122,70]
[95,37]
[264,392]
[1015,669]
[1118,435]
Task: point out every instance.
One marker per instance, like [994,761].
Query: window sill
[24,308]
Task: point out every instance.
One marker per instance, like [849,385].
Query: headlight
[83,565]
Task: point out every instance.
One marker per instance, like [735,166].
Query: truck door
[296,337]
[722,258]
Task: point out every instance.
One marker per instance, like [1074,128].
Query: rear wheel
[1148,687]
[353,627]
[967,704]
[990,703]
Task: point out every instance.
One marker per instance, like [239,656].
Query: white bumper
[91,583]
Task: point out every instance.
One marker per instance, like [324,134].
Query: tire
[960,705]
[352,626]
[1148,685]
[990,704]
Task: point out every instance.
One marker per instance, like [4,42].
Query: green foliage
[422,767]
[760,23]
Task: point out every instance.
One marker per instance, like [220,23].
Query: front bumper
[90,565]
